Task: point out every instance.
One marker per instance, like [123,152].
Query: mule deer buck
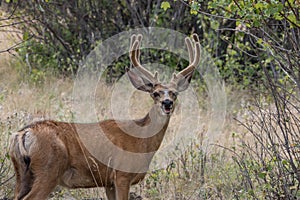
[50,153]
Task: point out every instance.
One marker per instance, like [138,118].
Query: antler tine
[135,55]
[132,40]
[188,43]
[194,57]
[195,37]
[139,38]
[197,50]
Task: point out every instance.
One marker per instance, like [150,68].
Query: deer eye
[173,94]
[156,94]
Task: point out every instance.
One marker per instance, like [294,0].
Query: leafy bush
[239,35]
[269,164]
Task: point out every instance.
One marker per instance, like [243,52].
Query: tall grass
[193,173]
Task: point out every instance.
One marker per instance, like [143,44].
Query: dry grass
[22,102]
[192,174]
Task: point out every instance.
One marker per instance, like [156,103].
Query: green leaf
[277,16]
[284,162]
[259,5]
[7,1]
[214,24]
[165,5]
[262,175]
[292,18]
[193,12]
[269,168]
[25,35]
[260,41]
[194,8]
[256,22]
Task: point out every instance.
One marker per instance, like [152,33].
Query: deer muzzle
[167,106]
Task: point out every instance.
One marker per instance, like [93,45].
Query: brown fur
[58,157]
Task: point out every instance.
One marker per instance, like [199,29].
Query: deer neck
[148,131]
[153,126]
[154,117]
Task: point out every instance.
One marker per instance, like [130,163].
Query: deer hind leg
[18,176]
[21,164]
[42,186]
[45,175]
[26,179]
[40,163]
[28,184]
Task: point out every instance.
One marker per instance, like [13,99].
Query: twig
[15,46]
[4,182]
[212,15]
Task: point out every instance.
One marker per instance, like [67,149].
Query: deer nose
[167,103]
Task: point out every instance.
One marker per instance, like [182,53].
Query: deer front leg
[122,187]
[110,193]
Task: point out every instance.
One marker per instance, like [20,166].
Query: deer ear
[184,81]
[139,81]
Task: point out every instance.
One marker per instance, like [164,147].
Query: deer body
[71,163]
[50,153]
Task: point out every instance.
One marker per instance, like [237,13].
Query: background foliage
[242,36]
[254,43]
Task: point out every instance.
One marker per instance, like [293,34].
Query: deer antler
[135,58]
[194,58]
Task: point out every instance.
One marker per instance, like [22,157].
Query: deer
[48,153]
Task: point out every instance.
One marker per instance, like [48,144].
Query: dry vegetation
[255,159]
[192,175]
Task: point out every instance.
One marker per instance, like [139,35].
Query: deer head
[164,95]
